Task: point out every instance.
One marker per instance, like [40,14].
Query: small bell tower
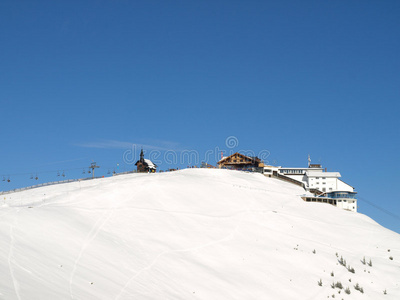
[141,156]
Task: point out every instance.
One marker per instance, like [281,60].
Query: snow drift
[190,234]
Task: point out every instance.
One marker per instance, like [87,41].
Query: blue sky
[85,81]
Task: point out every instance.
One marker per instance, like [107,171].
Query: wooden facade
[238,161]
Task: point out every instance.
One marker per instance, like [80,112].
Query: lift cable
[379,208]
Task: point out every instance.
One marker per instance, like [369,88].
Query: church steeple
[141,156]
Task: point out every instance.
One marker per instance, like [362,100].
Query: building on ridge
[316,178]
[145,165]
[321,186]
[238,161]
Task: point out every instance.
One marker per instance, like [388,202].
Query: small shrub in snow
[339,285]
[332,274]
[342,261]
[361,290]
[363,261]
[370,263]
[347,291]
[391,257]
[384,292]
[320,282]
[333,285]
[357,287]
[350,269]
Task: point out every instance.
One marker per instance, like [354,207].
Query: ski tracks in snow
[11,258]
[224,239]
[150,265]
[89,238]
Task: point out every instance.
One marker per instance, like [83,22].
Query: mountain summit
[190,234]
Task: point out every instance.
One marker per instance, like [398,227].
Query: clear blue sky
[82,81]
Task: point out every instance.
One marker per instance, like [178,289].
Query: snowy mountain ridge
[190,234]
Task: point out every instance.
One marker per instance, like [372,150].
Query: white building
[270,170]
[322,186]
[344,200]
[316,178]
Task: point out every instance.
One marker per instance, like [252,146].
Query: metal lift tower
[93,166]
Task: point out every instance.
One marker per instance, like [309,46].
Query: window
[324,183]
[323,177]
[316,177]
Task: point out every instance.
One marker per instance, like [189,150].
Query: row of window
[324,189]
[317,183]
[342,195]
[292,171]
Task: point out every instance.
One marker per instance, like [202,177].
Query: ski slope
[190,234]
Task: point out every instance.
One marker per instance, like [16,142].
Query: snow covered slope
[191,234]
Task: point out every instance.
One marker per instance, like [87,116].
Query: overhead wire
[389,213]
[57,172]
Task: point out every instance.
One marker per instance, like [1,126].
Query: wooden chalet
[145,165]
[238,161]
